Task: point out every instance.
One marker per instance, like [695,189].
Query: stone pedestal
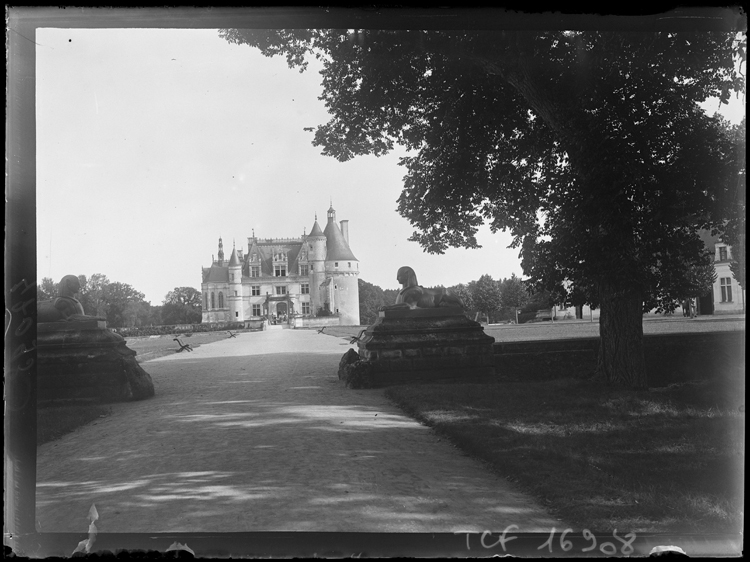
[83,360]
[407,346]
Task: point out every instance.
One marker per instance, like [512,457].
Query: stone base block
[87,364]
[420,346]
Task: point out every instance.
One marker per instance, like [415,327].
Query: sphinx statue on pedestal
[425,337]
[413,295]
[79,358]
[64,308]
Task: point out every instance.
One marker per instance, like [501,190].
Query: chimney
[345,230]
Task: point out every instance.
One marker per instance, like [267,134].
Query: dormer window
[722,253]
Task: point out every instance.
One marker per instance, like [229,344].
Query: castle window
[722,253]
[305,288]
[255,271]
[205,301]
[213,300]
[235,293]
[726,289]
[336,264]
[281,290]
[236,314]
[221,299]
[304,270]
[350,265]
[279,270]
[256,310]
[255,290]
[305,308]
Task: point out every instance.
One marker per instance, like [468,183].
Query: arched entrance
[281,309]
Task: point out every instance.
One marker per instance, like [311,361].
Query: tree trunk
[621,359]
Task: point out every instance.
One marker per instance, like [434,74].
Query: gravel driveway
[256,433]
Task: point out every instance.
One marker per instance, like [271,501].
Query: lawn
[663,460]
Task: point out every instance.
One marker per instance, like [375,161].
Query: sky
[153,143]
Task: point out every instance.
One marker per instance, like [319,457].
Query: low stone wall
[252,324]
[317,322]
[670,358]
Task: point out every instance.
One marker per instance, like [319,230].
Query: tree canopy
[588,146]
[182,305]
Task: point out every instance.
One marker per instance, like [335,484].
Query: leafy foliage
[485,296]
[125,305]
[182,305]
[371,298]
[735,229]
[463,292]
[47,289]
[94,294]
[514,295]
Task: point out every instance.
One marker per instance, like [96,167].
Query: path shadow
[228,445]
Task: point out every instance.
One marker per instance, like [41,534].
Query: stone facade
[727,295]
[315,275]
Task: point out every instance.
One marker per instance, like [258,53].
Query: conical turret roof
[316,230]
[336,246]
[233,259]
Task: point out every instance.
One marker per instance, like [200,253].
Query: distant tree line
[484,298]
[125,307]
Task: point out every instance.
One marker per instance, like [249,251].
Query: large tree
[485,296]
[93,295]
[371,298]
[513,296]
[124,305]
[588,146]
[47,289]
[182,305]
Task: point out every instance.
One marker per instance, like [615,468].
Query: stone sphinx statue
[64,308]
[78,358]
[413,296]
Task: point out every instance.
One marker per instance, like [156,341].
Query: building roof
[336,246]
[233,260]
[265,250]
[316,231]
[216,274]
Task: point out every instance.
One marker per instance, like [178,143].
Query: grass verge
[663,460]
[55,421]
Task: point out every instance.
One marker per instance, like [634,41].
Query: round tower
[342,271]
[316,246]
[235,289]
